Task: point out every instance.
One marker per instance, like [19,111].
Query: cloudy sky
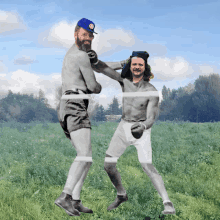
[182,38]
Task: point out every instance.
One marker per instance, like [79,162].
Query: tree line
[99,113]
[96,111]
[198,102]
[26,108]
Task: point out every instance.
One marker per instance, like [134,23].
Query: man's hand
[93,57]
[137,130]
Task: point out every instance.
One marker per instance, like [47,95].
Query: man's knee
[87,152]
[110,162]
[149,169]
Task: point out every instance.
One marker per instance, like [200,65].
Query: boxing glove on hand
[137,130]
[93,57]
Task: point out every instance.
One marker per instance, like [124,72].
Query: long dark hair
[126,72]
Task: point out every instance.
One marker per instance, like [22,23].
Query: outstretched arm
[102,67]
[114,65]
[117,65]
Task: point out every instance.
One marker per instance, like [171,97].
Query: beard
[82,45]
[137,76]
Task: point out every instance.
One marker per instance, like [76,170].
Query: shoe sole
[117,205]
[69,213]
[84,211]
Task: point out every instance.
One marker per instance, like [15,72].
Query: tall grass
[35,160]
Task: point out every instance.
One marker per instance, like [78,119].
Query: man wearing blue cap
[140,109]
[78,78]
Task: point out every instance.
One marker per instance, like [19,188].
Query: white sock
[120,194]
[68,188]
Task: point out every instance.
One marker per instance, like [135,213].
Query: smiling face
[137,67]
[83,39]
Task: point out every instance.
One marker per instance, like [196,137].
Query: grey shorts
[123,138]
[72,114]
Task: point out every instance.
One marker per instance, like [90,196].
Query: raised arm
[102,67]
[88,74]
[116,65]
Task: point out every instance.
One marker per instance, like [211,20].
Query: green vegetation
[35,160]
[26,108]
[198,102]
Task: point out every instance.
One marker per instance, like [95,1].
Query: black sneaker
[64,201]
[119,199]
[77,204]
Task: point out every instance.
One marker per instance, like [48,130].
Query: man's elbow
[152,118]
[95,88]
[98,89]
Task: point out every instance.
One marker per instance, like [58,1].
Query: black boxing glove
[93,57]
[137,130]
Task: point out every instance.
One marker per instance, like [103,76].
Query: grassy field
[35,160]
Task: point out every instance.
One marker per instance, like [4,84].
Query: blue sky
[182,38]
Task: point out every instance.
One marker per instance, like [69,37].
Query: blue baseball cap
[87,25]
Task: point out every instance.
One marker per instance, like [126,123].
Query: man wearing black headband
[140,109]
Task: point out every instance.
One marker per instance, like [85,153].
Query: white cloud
[167,69]
[22,80]
[3,68]
[24,60]
[206,69]
[111,40]
[56,77]
[25,82]
[106,41]
[102,96]
[59,35]
[10,22]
